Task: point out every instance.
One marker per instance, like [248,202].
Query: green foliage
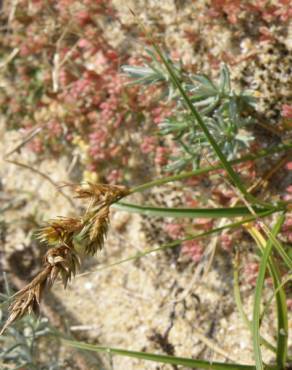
[223,110]
[191,212]
[164,359]
[20,343]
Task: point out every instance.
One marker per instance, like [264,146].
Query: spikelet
[99,194]
[63,260]
[59,230]
[27,299]
[59,260]
[94,233]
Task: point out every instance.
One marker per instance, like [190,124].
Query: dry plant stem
[46,177]
[65,237]
[212,345]
[10,57]
[263,182]
[27,139]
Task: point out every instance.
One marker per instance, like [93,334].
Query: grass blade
[165,359]
[282,310]
[239,304]
[189,212]
[280,249]
[177,242]
[274,294]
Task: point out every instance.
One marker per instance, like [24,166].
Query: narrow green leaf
[282,339]
[280,249]
[206,83]
[282,316]
[224,84]
[177,242]
[239,304]
[165,359]
[274,294]
[200,171]
[188,212]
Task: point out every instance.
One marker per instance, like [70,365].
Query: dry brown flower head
[62,234]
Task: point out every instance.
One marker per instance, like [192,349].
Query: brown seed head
[99,194]
[59,260]
[62,233]
[59,230]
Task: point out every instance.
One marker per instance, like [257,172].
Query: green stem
[239,305]
[185,175]
[175,243]
[190,212]
[232,174]
[186,362]
[281,304]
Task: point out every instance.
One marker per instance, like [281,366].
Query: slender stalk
[165,359]
[274,294]
[266,260]
[185,175]
[175,243]
[190,212]
[225,163]
[239,304]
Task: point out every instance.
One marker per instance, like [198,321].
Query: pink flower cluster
[231,8]
[174,230]
[161,156]
[82,90]
[148,144]
[287,111]
[288,196]
[280,10]
[226,242]
[193,249]
[250,272]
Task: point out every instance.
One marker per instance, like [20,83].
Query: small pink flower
[83,17]
[288,196]
[289,304]
[100,59]
[148,145]
[24,50]
[286,111]
[161,156]
[84,44]
[193,249]
[226,242]
[55,128]
[287,229]
[159,114]
[175,231]
[203,223]
[251,270]
[114,177]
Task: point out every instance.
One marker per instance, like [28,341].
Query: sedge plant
[210,123]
